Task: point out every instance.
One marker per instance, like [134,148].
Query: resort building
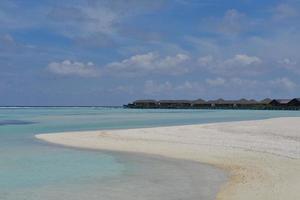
[145,103]
[265,101]
[280,102]
[294,102]
[175,104]
[200,103]
[287,104]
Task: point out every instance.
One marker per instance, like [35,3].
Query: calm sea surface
[33,170]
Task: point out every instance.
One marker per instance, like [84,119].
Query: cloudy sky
[110,52]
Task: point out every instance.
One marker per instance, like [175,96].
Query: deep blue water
[30,168]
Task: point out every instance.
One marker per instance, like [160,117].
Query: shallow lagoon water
[31,169]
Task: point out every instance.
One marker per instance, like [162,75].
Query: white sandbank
[262,157]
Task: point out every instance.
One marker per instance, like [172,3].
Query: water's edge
[169,178]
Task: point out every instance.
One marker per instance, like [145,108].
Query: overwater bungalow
[288,104]
[200,103]
[221,103]
[244,103]
[294,102]
[265,101]
[174,104]
[280,102]
[150,103]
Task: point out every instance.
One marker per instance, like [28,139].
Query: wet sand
[261,157]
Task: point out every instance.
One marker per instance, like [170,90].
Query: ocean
[32,170]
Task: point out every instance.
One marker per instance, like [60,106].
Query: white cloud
[8,39]
[10,46]
[290,64]
[250,85]
[262,37]
[284,11]
[216,82]
[153,88]
[287,62]
[238,64]
[205,60]
[167,89]
[7,43]
[283,83]
[234,82]
[204,45]
[191,88]
[154,64]
[242,60]
[12,17]
[142,64]
[237,87]
[87,19]
[68,67]
[84,21]
[123,89]
[228,88]
[232,23]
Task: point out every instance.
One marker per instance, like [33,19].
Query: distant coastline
[265,104]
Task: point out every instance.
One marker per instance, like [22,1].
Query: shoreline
[261,157]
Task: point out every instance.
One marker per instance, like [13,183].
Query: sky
[111,52]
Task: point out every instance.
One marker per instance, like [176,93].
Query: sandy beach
[261,157]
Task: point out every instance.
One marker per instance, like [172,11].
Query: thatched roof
[297,99]
[174,101]
[241,101]
[246,101]
[282,101]
[218,101]
[199,101]
[266,101]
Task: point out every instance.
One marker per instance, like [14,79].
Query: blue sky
[110,52]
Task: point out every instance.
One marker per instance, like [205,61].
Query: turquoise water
[30,168]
